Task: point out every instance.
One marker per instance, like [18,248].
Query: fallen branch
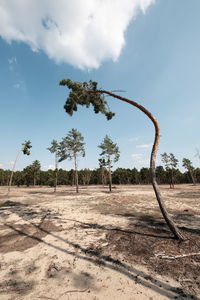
[44,297]
[160,255]
[71,291]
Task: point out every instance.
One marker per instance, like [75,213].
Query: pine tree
[72,146]
[36,166]
[55,149]
[87,94]
[26,146]
[171,163]
[188,165]
[110,154]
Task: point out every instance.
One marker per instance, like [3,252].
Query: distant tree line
[32,175]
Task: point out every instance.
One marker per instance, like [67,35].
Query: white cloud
[144,146]
[136,155]
[143,163]
[49,167]
[134,139]
[140,161]
[83,33]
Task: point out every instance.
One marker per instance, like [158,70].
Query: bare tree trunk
[13,168]
[192,176]
[76,173]
[56,173]
[110,176]
[173,178]
[172,226]
[34,179]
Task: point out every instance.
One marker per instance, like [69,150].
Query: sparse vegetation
[189,167]
[87,93]
[26,146]
[170,163]
[72,147]
[54,148]
[110,154]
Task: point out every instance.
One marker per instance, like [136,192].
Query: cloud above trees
[80,33]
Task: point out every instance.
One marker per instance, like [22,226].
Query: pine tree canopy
[26,147]
[85,93]
[109,149]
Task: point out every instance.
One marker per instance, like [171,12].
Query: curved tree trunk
[172,226]
[11,176]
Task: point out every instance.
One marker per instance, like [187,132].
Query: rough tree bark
[172,226]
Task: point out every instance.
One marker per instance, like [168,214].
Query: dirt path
[97,245]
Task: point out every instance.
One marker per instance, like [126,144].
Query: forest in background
[33,175]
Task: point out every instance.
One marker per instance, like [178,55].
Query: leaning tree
[26,146]
[86,93]
[110,155]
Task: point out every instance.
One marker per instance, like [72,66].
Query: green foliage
[84,93]
[26,147]
[62,151]
[85,176]
[54,148]
[102,163]
[145,175]
[110,151]
[72,145]
[36,166]
[170,163]
[187,164]
[120,176]
[28,175]
[169,160]
[32,172]
[59,150]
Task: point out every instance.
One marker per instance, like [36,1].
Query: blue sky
[154,57]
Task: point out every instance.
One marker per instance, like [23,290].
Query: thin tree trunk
[110,177]
[172,226]
[34,179]
[192,176]
[56,173]
[56,180]
[172,179]
[11,176]
[76,173]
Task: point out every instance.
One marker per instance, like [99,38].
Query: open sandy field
[98,245]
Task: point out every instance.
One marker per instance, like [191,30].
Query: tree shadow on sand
[106,261]
[95,256]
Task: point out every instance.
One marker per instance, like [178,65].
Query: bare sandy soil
[98,245]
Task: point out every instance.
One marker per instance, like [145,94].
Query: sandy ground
[98,245]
